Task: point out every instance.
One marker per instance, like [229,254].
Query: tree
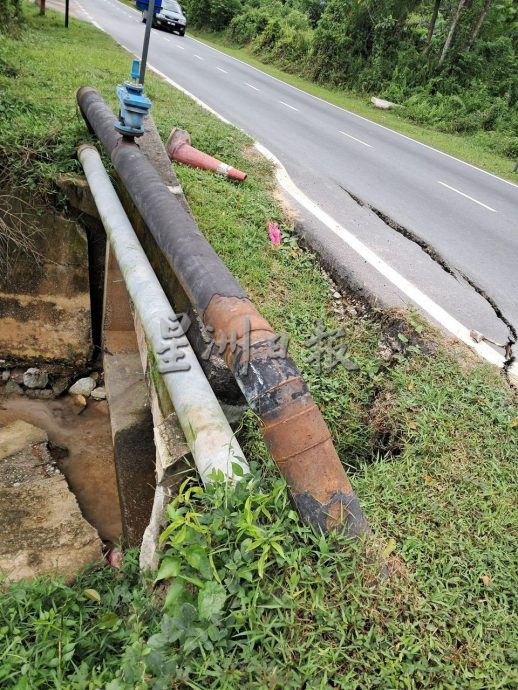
[452,31]
[42,8]
[431,27]
[474,34]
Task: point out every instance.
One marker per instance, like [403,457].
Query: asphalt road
[445,228]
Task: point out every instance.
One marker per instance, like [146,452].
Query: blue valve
[134,106]
[135,70]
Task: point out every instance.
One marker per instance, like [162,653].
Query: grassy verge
[257,600]
[472,148]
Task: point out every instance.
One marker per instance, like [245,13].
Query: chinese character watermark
[325,351]
[172,331]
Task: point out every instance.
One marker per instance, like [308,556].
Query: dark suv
[170,17]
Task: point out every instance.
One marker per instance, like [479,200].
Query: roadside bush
[268,38]
[293,47]
[462,112]
[493,64]
[215,15]
[246,26]
[10,16]
[340,55]
[298,20]
[222,12]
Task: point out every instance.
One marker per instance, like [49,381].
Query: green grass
[428,433]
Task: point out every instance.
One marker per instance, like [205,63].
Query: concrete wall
[44,288]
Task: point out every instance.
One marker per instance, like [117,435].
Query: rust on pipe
[292,425]
[227,314]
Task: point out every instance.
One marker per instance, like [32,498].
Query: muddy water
[88,466]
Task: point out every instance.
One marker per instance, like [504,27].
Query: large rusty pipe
[293,426]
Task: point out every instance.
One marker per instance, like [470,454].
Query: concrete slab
[43,531]
[133,447]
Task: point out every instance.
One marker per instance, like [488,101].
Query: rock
[79,403]
[40,394]
[6,375]
[17,435]
[336,294]
[60,385]
[11,388]
[382,104]
[43,531]
[94,376]
[98,393]
[35,378]
[17,375]
[82,387]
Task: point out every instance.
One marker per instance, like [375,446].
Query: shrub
[10,16]
[212,14]
[246,26]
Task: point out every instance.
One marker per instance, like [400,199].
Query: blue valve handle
[134,106]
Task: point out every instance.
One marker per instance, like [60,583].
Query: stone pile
[46,383]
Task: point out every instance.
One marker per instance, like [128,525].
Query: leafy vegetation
[452,64]
[10,16]
[247,597]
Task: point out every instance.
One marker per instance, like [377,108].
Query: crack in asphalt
[451,270]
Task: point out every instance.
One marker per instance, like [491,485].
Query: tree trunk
[478,26]
[42,8]
[431,27]
[451,32]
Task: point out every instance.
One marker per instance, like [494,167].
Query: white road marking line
[222,70]
[355,139]
[415,295]
[289,106]
[467,196]
[197,56]
[166,39]
[366,119]
[251,86]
